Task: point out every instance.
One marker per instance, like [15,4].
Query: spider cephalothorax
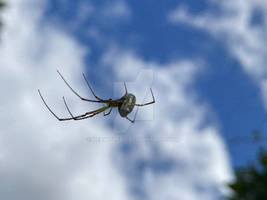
[125,104]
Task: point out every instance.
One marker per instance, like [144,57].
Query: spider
[125,104]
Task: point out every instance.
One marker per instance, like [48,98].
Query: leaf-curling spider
[125,104]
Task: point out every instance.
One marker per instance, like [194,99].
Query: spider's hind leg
[87,114]
[58,118]
[132,120]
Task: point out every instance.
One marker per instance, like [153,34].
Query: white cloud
[245,40]
[41,158]
[117,9]
[95,19]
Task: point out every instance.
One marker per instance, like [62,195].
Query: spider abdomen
[127,105]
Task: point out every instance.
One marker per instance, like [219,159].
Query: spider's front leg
[153,101]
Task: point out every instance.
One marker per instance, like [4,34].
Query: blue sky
[205,61]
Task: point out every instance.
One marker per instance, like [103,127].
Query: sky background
[205,61]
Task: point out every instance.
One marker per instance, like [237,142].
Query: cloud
[41,158]
[242,26]
[118,9]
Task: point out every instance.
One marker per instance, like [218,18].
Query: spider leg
[95,113]
[67,107]
[85,117]
[132,120]
[105,114]
[87,114]
[60,119]
[153,101]
[84,99]
[92,89]
[125,88]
